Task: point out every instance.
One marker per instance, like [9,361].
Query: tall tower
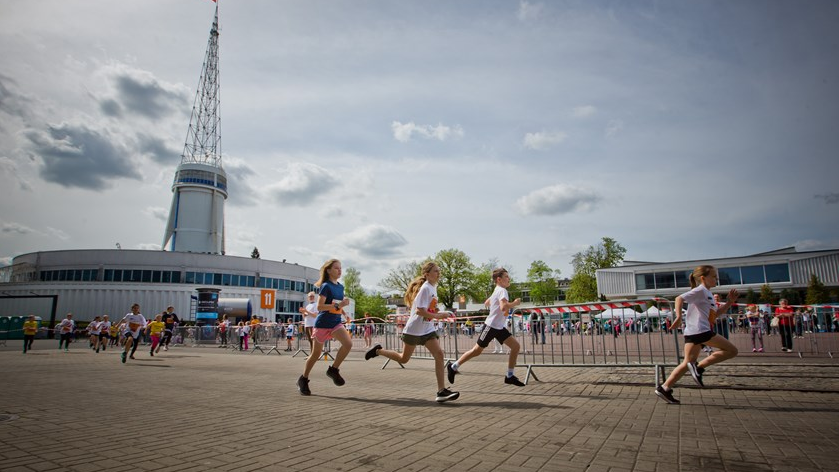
[196,218]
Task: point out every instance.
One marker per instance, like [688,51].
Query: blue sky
[382,132]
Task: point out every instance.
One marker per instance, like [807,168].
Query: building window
[176,277]
[644,281]
[752,274]
[665,280]
[729,275]
[777,273]
[225,279]
[683,278]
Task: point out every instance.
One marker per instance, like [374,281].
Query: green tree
[767,295]
[752,296]
[457,275]
[374,305]
[816,291]
[583,286]
[398,279]
[791,295]
[255,253]
[542,282]
[482,283]
[352,284]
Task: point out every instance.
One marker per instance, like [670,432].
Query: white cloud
[331,211]
[302,183]
[12,227]
[613,127]
[529,11]
[57,233]
[584,111]
[403,132]
[543,140]
[556,200]
[159,213]
[375,240]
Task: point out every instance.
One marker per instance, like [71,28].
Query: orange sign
[266,300]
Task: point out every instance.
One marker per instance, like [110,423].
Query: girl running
[698,331]
[104,333]
[328,325]
[420,330]
[93,329]
[155,328]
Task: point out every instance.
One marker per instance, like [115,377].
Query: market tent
[654,312]
[620,313]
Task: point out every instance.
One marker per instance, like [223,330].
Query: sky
[382,132]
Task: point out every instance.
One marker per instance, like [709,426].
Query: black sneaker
[446,395]
[124,355]
[303,386]
[372,352]
[451,372]
[151,353]
[696,373]
[513,380]
[333,374]
[666,395]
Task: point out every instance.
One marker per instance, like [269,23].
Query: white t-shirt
[426,298]
[94,327]
[66,326]
[104,326]
[138,320]
[700,303]
[309,321]
[497,319]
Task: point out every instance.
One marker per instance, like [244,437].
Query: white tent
[620,313]
[653,312]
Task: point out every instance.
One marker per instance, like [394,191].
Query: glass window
[777,273]
[109,275]
[176,277]
[683,278]
[190,278]
[118,275]
[665,280]
[729,275]
[62,275]
[275,284]
[77,275]
[155,276]
[146,276]
[752,274]
[225,279]
[137,275]
[216,279]
[644,281]
[166,276]
[251,281]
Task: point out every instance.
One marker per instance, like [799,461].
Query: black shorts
[103,336]
[699,338]
[488,334]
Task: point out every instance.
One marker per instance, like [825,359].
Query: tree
[482,283]
[816,291]
[457,275]
[751,296]
[352,284]
[255,253]
[542,282]
[792,296]
[374,305]
[583,287]
[767,295]
[399,278]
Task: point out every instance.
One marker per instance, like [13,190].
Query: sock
[454,366]
[509,373]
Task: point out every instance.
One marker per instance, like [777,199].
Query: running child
[104,333]
[328,325]
[420,330]
[134,323]
[698,331]
[66,328]
[93,330]
[30,329]
[494,329]
[170,320]
[155,328]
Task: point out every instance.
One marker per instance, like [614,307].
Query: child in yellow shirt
[155,328]
[30,328]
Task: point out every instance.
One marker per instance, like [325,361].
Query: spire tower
[196,217]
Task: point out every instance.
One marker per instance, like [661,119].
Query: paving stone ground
[199,409]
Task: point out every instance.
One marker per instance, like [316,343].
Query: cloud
[375,241]
[12,102]
[613,127]
[302,183]
[157,149]
[331,211]
[140,92]
[584,111]
[829,198]
[239,190]
[543,140]
[556,200]
[159,213]
[148,246]
[8,167]
[74,155]
[529,11]
[17,228]
[404,132]
[57,233]
[110,107]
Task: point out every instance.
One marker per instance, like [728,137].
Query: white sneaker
[165,348]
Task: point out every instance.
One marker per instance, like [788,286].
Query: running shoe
[696,373]
[451,372]
[446,395]
[760,350]
[151,353]
[372,352]
[123,356]
[513,380]
[666,395]
[303,386]
[333,374]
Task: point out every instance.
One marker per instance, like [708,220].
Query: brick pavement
[198,409]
